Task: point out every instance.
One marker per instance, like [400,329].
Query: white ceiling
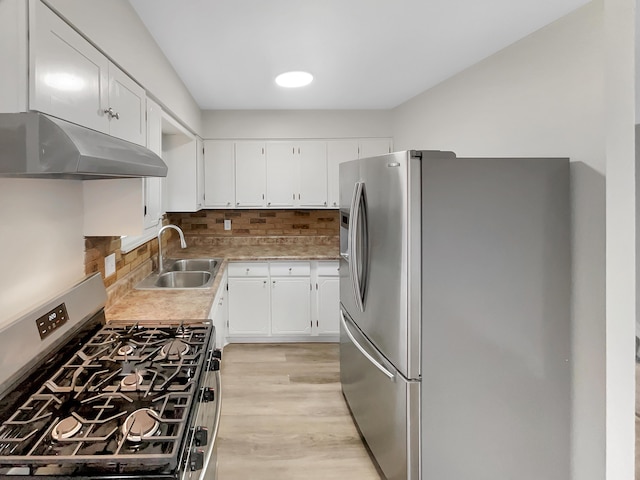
[364,54]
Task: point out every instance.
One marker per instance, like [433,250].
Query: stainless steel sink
[182,279]
[184,273]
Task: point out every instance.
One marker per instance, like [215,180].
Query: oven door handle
[216,427]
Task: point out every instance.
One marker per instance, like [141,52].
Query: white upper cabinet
[219,174]
[281,174]
[312,165]
[126,109]
[251,174]
[70,79]
[153,185]
[297,174]
[338,151]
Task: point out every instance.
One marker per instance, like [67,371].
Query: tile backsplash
[252,223]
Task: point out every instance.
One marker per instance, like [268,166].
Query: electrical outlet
[109,265]
[227,224]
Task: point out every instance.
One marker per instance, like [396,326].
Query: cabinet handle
[262,150]
[228,203]
[269,204]
[298,196]
[263,196]
[293,150]
[109,111]
[264,282]
[325,204]
[290,268]
[294,196]
[274,283]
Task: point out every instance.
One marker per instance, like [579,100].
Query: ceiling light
[294,79]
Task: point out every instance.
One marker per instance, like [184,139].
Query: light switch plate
[109,265]
[227,224]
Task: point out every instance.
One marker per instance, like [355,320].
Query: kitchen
[562,86]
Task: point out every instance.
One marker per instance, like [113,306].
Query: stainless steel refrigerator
[455,314]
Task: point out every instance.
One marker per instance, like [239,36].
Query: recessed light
[294,79]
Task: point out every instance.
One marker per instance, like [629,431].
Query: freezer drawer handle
[391,376]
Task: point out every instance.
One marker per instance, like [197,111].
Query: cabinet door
[251,174]
[338,151]
[219,174]
[153,185]
[371,147]
[290,306]
[127,101]
[312,164]
[248,306]
[68,76]
[282,174]
[328,305]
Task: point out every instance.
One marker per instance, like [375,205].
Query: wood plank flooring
[284,416]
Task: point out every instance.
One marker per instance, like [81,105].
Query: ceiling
[364,54]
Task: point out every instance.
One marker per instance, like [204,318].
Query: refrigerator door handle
[360,257]
[352,255]
[375,363]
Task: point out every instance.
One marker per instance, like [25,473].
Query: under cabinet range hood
[40,146]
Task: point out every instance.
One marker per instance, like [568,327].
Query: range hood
[36,145]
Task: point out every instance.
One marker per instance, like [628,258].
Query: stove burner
[131,381]
[174,349]
[127,349]
[66,428]
[140,425]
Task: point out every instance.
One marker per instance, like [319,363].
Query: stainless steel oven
[87,399]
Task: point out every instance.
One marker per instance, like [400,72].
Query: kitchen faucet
[183,244]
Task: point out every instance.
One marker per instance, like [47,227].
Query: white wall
[619,19]
[41,241]
[543,96]
[114,26]
[236,124]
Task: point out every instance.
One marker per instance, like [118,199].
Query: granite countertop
[195,304]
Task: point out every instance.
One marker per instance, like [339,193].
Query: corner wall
[542,96]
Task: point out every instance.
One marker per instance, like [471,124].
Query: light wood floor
[284,416]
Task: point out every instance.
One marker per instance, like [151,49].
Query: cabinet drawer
[328,269]
[249,269]
[290,269]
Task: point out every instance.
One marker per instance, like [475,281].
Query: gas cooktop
[120,399]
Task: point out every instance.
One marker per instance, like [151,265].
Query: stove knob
[214,364]
[208,394]
[201,436]
[196,459]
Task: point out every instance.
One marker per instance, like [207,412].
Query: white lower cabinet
[283,301]
[249,299]
[327,298]
[249,307]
